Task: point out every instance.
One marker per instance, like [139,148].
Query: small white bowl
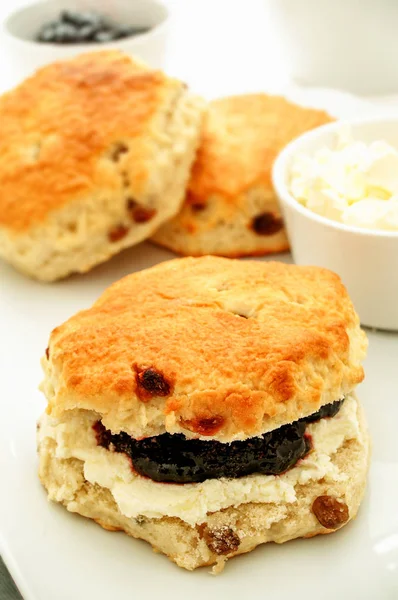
[26,55]
[366,260]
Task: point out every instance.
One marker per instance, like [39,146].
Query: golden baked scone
[95,153]
[230,381]
[230,207]
[242,348]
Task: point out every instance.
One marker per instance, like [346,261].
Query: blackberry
[74,27]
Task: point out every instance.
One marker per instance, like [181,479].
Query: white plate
[54,555]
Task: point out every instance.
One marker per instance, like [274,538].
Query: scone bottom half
[164,419]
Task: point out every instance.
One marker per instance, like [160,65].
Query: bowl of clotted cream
[338,190]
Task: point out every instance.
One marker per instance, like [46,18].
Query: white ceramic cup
[347,44]
[18,45]
[367,261]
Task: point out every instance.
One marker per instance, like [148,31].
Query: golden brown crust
[241,138]
[230,185]
[225,229]
[299,347]
[57,126]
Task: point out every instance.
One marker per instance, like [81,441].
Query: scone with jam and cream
[207,406]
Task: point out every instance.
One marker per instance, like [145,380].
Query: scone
[95,154]
[207,405]
[230,207]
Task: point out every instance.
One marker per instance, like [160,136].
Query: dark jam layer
[174,458]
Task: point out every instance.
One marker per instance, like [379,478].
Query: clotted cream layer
[191,502]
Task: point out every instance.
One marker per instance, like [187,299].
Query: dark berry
[328,410]
[118,150]
[117,233]
[198,206]
[140,214]
[80,19]
[206,426]
[47,33]
[74,26]
[126,31]
[103,435]
[86,33]
[330,512]
[65,33]
[152,382]
[267,224]
[221,540]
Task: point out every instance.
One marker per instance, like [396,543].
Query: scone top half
[210,348]
[95,155]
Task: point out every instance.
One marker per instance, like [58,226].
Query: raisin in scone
[230,207]
[207,406]
[95,155]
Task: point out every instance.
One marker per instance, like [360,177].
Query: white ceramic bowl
[366,260]
[26,55]
[348,44]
